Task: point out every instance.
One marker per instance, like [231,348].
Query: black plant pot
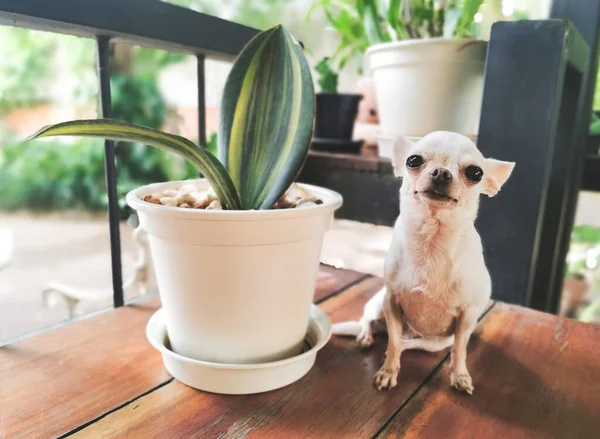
[335,115]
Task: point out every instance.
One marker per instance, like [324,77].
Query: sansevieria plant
[266,125]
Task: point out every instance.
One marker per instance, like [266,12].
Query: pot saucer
[240,379]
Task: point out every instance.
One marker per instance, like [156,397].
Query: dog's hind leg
[429,344]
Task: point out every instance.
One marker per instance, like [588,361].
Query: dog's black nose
[440,176]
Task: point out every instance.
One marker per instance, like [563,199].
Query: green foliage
[596,105]
[266,125]
[594,129]
[328,79]
[594,125]
[148,62]
[33,60]
[466,10]
[51,175]
[212,144]
[260,14]
[586,234]
[363,23]
[25,56]
[137,99]
[345,19]
[54,175]
[588,237]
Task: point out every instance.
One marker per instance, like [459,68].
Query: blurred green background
[46,78]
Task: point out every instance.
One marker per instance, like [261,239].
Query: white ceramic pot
[236,286]
[428,85]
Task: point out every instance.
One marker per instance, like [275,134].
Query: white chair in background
[74,297]
[6,247]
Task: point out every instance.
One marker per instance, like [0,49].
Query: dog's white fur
[436,281]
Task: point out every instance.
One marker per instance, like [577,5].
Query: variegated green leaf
[267,117]
[206,163]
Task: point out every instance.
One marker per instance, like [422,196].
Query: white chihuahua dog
[436,281]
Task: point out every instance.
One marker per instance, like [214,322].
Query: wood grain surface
[335,400]
[535,376]
[56,381]
[53,382]
[331,281]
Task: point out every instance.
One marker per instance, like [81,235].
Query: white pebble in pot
[169,201]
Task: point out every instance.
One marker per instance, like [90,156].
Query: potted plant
[237,253]
[427,68]
[336,113]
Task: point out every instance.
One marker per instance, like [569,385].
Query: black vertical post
[111,173]
[530,115]
[201,101]
[585,16]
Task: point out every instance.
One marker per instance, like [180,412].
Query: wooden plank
[336,398]
[331,281]
[535,375]
[56,381]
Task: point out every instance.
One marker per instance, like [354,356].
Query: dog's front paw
[387,377]
[462,381]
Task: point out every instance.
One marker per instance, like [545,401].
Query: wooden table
[535,376]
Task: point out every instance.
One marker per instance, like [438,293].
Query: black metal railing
[149,23]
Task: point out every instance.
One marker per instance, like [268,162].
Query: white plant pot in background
[386,146]
[236,286]
[428,85]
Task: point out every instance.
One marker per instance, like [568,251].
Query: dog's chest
[427,288]
[427,315]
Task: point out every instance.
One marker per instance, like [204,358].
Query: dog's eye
[474,173]
[414,162]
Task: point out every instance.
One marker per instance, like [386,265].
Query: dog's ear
[497,172]
[401,147]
